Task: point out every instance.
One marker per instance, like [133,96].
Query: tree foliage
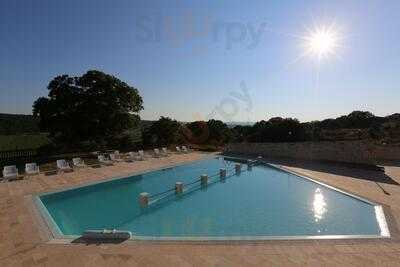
[163,132]
[197,132]
[219,132]
[276,130]
[213,132]
[354,126]
[94,108]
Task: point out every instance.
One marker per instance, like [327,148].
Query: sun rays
[322,42]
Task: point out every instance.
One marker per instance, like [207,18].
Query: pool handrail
[198,180]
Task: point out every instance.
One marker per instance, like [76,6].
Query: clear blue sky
[148,45]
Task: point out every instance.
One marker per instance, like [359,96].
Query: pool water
[258,203]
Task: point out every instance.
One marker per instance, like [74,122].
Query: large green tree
[165,131]
[213,132]
[219,132]
[277,130]
[95,108]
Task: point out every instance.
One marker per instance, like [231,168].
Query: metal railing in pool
[228,173]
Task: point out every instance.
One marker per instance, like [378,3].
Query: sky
[190,60]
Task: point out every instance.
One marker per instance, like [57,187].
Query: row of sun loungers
[11,172]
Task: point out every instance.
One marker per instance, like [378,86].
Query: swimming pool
[262,203]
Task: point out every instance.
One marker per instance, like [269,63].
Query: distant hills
[232,124]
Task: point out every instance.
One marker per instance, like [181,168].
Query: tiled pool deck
[24,241]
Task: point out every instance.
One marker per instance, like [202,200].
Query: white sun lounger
[132,156]
[31,169]
[118,155]
[10,173]
[141,154]
[63,165]
[178,149]
[103,160]
[164,151]
[78,162]
[157,153]
[185,149]
[115,157]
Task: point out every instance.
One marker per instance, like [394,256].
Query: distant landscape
[22,132]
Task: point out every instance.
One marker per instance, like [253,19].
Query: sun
[322,42]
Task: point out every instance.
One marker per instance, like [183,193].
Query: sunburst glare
[322,41]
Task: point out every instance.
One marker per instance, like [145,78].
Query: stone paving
[24,240]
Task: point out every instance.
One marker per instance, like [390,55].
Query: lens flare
[322,42]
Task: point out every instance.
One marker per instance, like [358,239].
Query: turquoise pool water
[264,202]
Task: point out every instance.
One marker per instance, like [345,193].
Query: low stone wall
[340,151]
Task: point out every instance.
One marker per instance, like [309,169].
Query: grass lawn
[22,142]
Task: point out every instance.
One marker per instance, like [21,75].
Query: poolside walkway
[25,242]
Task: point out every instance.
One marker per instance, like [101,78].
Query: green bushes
[163,132]
[214,132]
[276,130]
